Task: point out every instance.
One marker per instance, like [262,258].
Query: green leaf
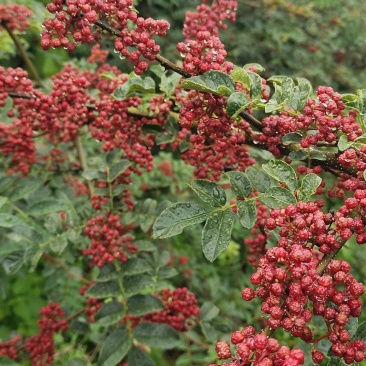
[136,357]
[291,138]
[91,174]
[76,362]
[305,91]
[59,244]
[317,155]
[136,283]
[278,197]
[175,218]
[237,103]
[118,168]
[259,179]
[135,266]
[360,333]
[258,67]
[282,172]
[209,192]
[240,184]
[3,200]
[32,256]
[164,138]
[147,214]
[107,272]
[8,220]
[344,143]
[156,335]
[208,311]
[145,246]
[298,155]
[24,189]
[216,82]
[216,233]
[102,290]
[47,207]
[255,86]
[247,212]
[139,305]
[152,129]
[241,76]
[115,347]
[135,86]
[4,361]
[13,262]
[167,273]
[309,185]
[110,313]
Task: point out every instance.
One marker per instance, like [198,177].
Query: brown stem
[23,54]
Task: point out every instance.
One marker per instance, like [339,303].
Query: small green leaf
[8,220]
[13,262]
[139,305]
[136,357]
[241,76]
[135,266]
[278,197]
[110,313]
[282,172]
[255,86]
[209,192]
[309,185]
[216,233]
[152,129]
[145,246]
[258,67]
[136,283]
[291,138]
[23,190]
[102,290]
[208,311]
[305,90]
[216,82]
[259,179]
[240,184]
[164,138]
[156,335]
[247,212]
[4,361]
[59,244]
[167,273]
[344,143]
[91,174]
[175,218]
[3,200]
[135,86]
[147,214]
[117,169]
[237,103]
[46,207]
[107,272]
[115,347]
[298,155]
[317,155]
[76,362]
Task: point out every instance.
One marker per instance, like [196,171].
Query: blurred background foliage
[323,41]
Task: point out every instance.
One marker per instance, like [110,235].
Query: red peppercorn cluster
[319,122]
[180,310]
[109,240]
[79,21]
[97,55]
[9,348]
[15,17]
[40,347]
[92,305]
[217,141]
[202,49]
[258,349]
[291,284]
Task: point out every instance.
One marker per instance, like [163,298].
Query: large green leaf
[309,185]
[156,335]
[102,290]
[240,184]
[209,192]
[110,313]
[8,220]
[282,172]
[278,197]
[144,304]
[216,82]
[175,218]
[135,86]
[118,168]
[135,284]
[24,189]
[240,75]
[259,179]
[255,85]
[115,347]
[136,357]
[4,361]
[208,311]
[216,233]
[247,212]
[47,207]
[135,266]
[237,103]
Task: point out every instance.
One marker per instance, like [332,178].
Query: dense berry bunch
[80,21]
[258,349]
[109,240]
[202,49]
[180,310]
[15,17]
[217,141]
[9,348]
[319,122]
[92,305]
[41,347]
